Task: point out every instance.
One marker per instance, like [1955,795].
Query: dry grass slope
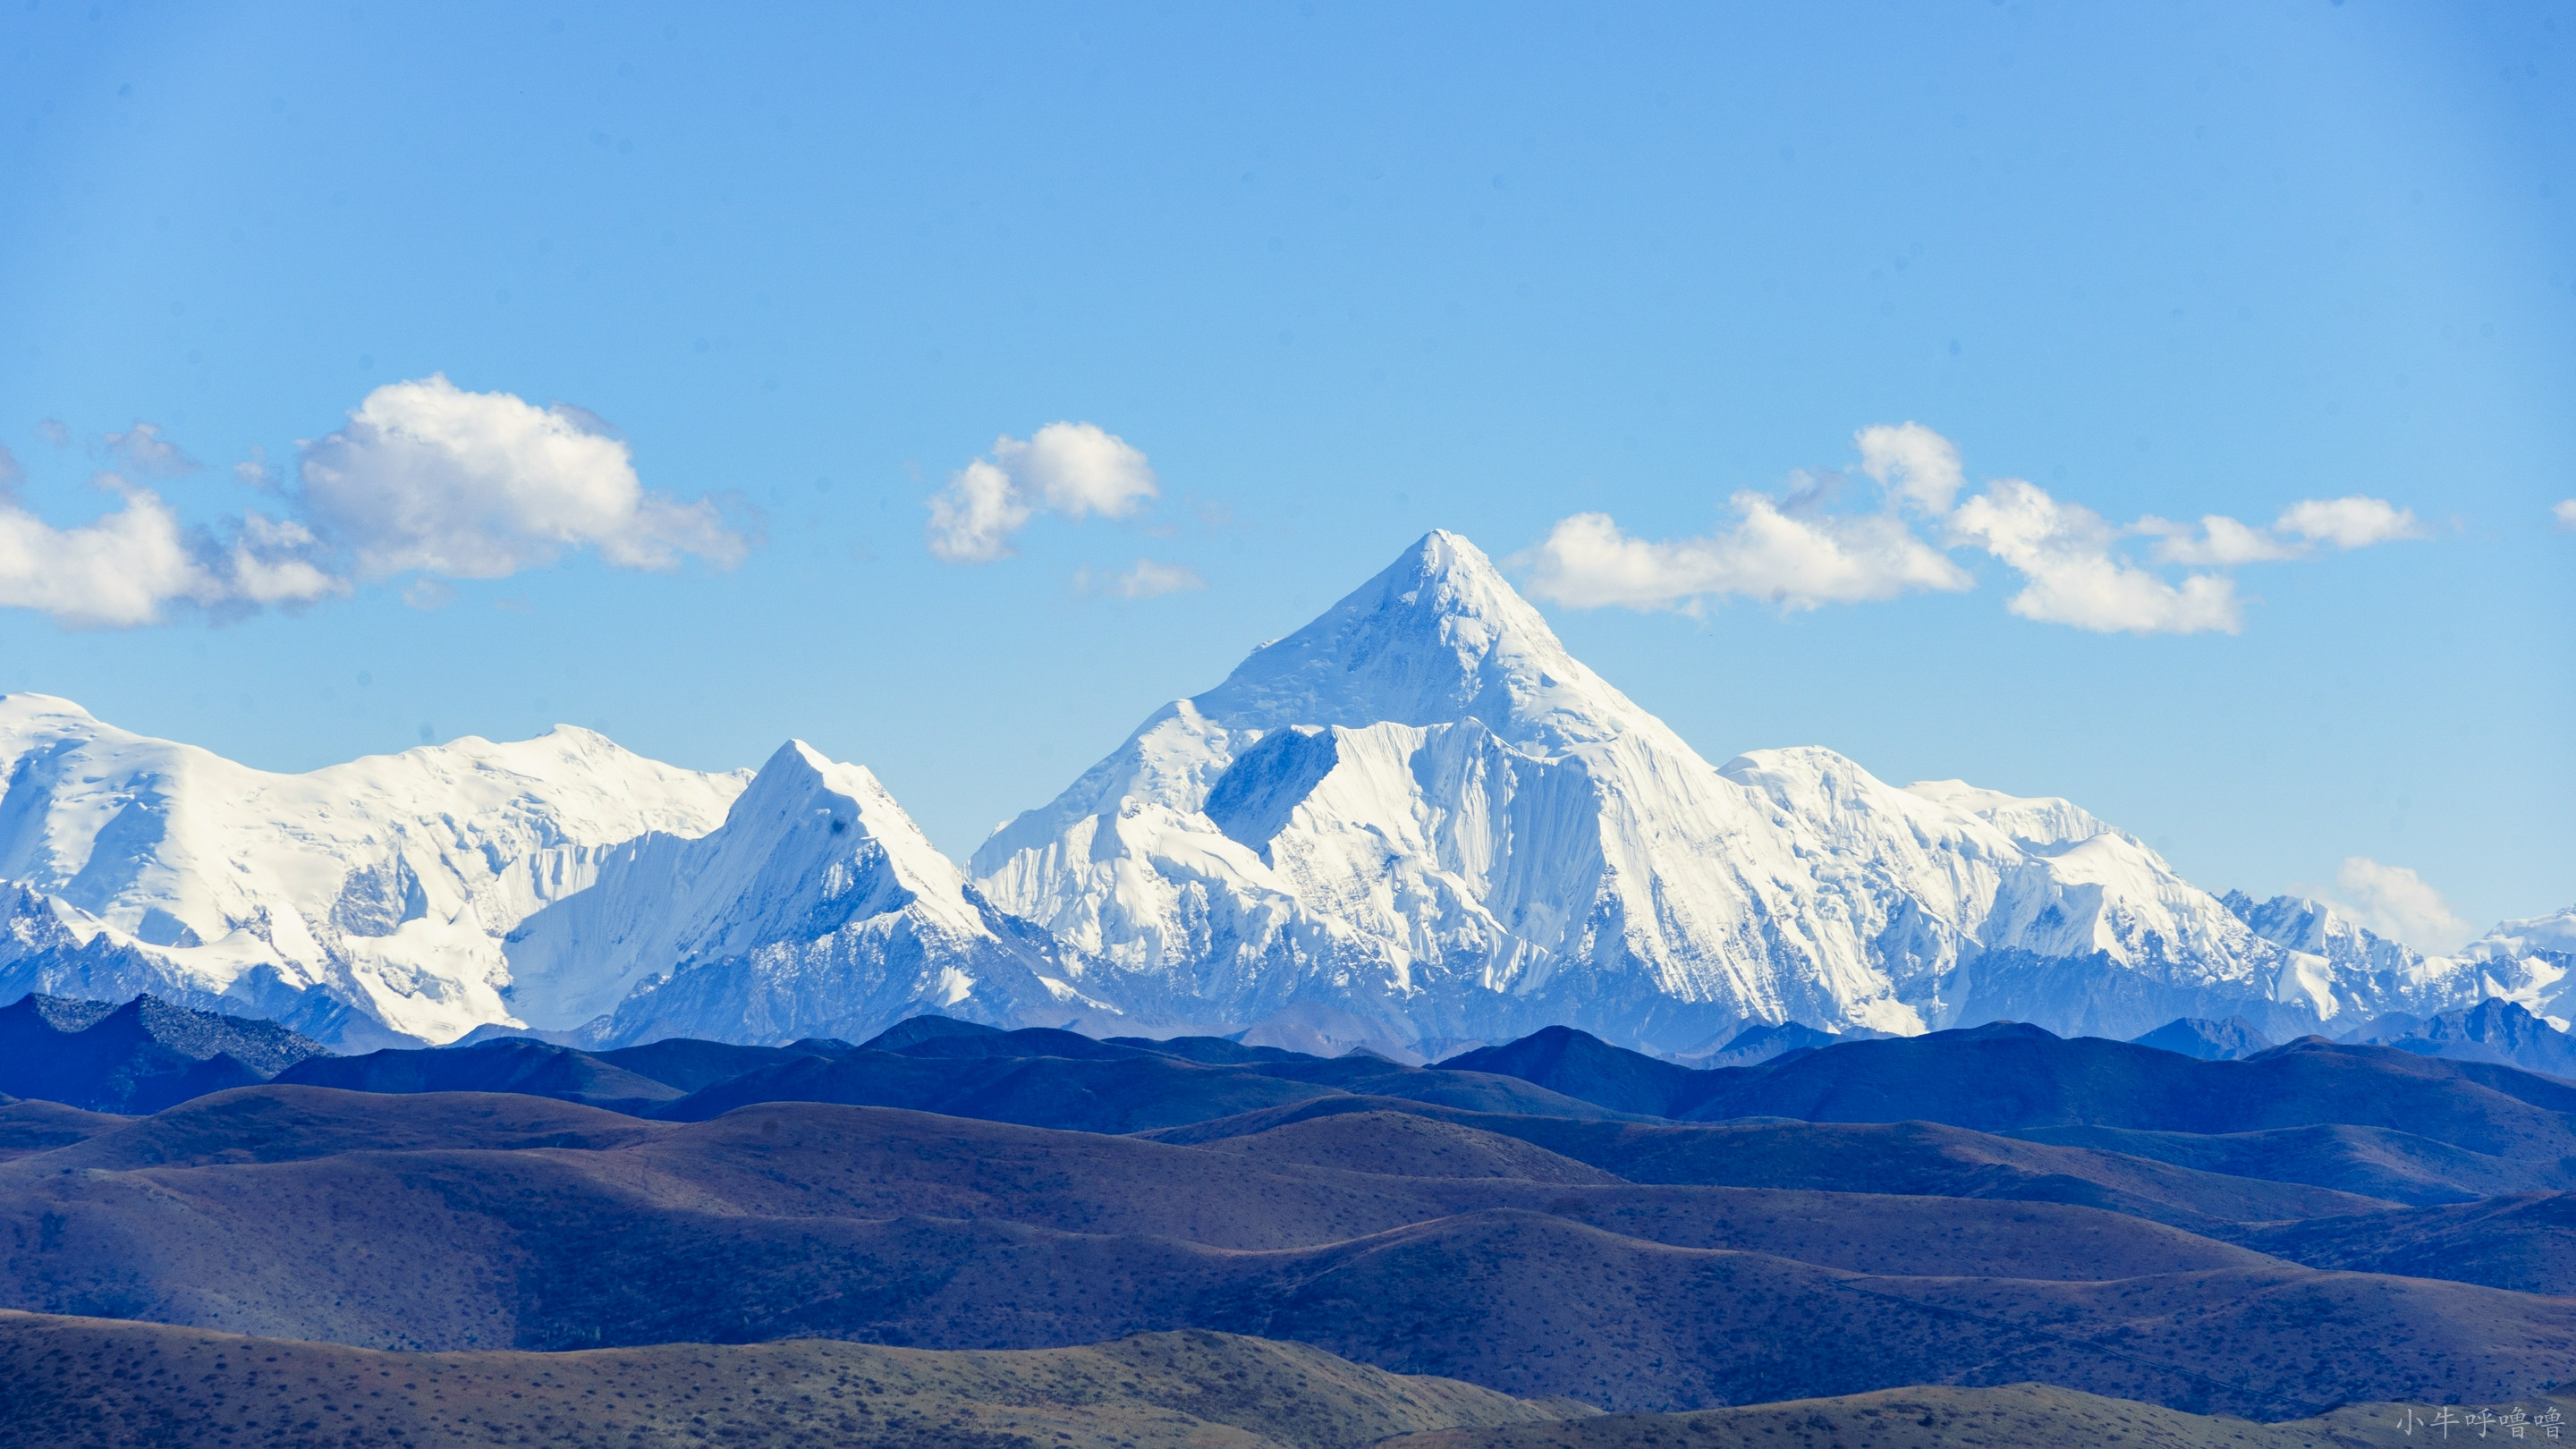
[2015,1416]
[92,1382]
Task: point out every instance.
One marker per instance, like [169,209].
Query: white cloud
[2354,522]
[973,518]
[426,477]
[2302,528]
[146,451]
[2394,901]
[1923,464]
[11,474]
[1793,561]
[1074,469]
[1144,579]
[2565,513]
[479,485]
[279,561]
[54,432]
[2221,541]
[2063,551]
[117,572]
[1792,551]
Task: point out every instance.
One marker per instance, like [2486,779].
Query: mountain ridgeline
[1417,823]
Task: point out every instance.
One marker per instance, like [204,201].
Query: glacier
[1415,824]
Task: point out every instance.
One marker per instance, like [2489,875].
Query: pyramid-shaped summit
[1438,636]
[1422,820]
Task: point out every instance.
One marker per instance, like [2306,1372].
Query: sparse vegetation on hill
[111,1385]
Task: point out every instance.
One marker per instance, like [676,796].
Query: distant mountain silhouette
[1125,1089]
[2211,1041]
[1767,1041]
[1582,1065]
[2495,1030]
[507,1064]
[2012,1077]
[138,1057]
[1909,1158]
[691,1065]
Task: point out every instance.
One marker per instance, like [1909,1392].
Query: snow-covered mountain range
[1421,816]
[1416,822]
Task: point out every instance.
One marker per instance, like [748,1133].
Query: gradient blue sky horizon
[1344,274]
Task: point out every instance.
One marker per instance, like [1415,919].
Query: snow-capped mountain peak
[373,892]
[1420,810]
[2040,823]
[818,908]
[1437,636]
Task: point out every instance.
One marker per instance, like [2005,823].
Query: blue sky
[1333,276]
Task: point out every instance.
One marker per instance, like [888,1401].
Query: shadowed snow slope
[362,904]
[817,909]
[1419,812]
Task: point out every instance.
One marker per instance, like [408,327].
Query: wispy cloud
[2565,512]
[1071,469]
[2393,901]
[144,450]
[1795,551]
[1144,579]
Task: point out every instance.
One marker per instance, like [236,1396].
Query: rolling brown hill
[1893,1157]
[2016,1416]
[36,1126]
[93,1382]
[518,1222]
[2526,1242]
[2374,1162]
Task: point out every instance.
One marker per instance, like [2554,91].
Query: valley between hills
[1554,1241]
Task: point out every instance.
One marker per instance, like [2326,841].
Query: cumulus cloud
[1915,462]
[278,561]
[1794,562]
[2354,522]
[1793,551]
[2565,513]
[118,571]
[479,485]
[1144,579]
[1072,469]
[973,518]
[2063,552]
[2395,902]
[426,479]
